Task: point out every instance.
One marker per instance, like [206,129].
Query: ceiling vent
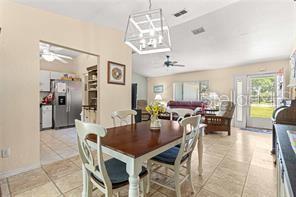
[180,13]
[198,31]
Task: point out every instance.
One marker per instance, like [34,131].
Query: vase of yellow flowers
[154,109]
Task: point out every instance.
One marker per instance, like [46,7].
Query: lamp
[146,32]
[158,97]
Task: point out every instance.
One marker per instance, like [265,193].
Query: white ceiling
[61,50]
[238,32]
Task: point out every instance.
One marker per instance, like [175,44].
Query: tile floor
[57,145]
[236,165]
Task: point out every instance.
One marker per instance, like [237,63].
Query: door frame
[264,123]
[245,97]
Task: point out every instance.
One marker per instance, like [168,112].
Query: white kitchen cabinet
[44,80]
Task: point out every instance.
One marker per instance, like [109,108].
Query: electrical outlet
[5,153]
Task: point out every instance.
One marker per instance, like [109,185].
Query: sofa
[196,106]
[186,104]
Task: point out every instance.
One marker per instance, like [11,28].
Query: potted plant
[154,109]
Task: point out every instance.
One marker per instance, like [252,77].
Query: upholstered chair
[222,120]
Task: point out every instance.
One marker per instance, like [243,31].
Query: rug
[257,130]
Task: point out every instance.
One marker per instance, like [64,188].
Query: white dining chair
[182,112]
[123,117]
[177,157]
[108,176]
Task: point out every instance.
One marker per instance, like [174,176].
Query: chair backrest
[190,134]
[181,112]
[123,117]
[141,104]
[226,109]
[99,170]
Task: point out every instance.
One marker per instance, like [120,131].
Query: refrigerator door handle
[69,100]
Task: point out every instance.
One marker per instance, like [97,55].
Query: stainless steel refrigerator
[67,102]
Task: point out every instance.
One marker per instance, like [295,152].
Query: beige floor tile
[78,191]
[27,180]
[69,182]
[254,191]
[50,158]
[234,176]
[186,190]
[205,193]
[60,169]
[263,159]
[260,182]
[68,152]
[239,156]
[4,191]
[223,187]
[46,190]
[76,159]
[235,166]
[2,181]
[158,194]
[217,150]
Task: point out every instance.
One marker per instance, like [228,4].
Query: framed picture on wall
[116,73]
[203,86]
[158,89]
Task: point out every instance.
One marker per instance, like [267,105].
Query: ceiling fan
[47,52]
[168,63]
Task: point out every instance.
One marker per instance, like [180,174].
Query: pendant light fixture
[147,32]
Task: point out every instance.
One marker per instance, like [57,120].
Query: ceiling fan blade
[60,59]
[63,56]
[55,48]
[174,62]
[178,65]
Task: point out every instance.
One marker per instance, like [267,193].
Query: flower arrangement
[154,109]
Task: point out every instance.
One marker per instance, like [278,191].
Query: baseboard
[9,173]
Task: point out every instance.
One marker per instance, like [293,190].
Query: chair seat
[116,170]
[169,156]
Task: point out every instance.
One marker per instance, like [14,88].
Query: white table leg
[133,168]
[200,151]
[87,185]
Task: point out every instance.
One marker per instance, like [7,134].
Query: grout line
[247,174]
[52,181]
[57,154]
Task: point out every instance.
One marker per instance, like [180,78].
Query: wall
[220,80]
[22,29]
[142,86]
[70,67]
[84,61]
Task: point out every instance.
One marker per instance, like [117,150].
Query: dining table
[136,143]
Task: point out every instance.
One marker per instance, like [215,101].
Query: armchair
[141,104]
[222,120]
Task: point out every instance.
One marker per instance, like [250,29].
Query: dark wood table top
[137,139]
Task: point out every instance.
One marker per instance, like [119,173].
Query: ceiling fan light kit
[48,55]
[147,33]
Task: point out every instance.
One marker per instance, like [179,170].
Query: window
[186,91]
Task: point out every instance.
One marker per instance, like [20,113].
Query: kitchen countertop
[288,154]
